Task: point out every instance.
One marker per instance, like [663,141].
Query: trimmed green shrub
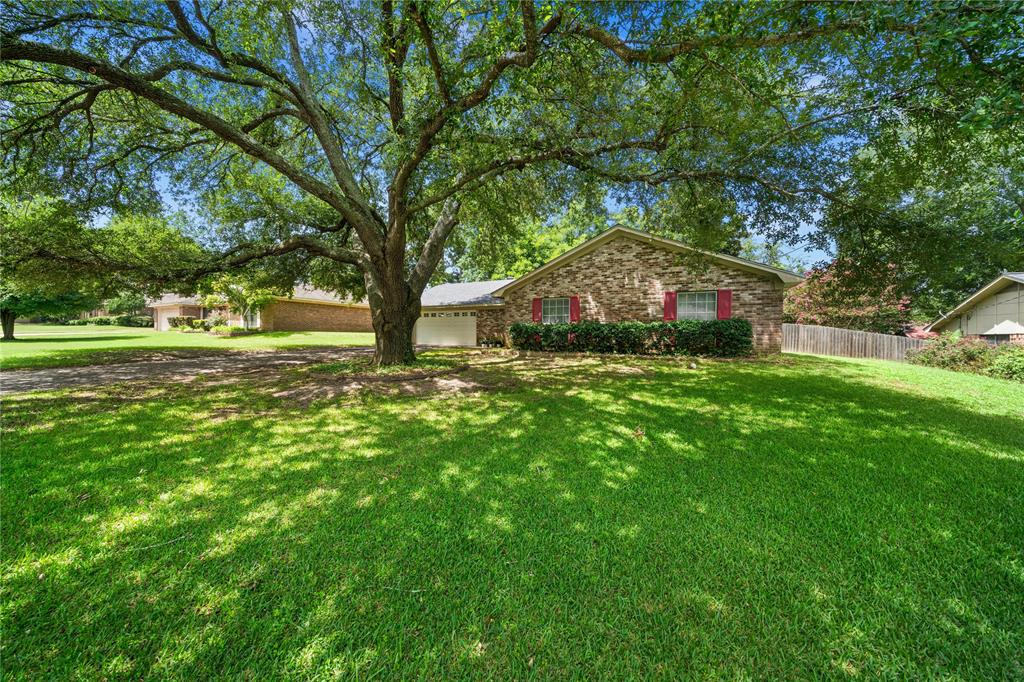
[101,320]
[1008,362]
[76,323]
[715,338]
[225,330]
[134,320]
[180,322]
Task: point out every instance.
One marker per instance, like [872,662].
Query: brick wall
[625,279]
[316,317]
[490,324]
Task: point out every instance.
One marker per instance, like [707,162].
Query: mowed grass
[795,518]
[63,346]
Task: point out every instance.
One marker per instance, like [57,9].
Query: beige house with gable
[994,313]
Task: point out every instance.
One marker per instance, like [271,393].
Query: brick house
[621,274]
[994,313]
[305,310]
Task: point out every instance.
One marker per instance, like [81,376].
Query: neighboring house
[305,310]
[621,274]
[994,313]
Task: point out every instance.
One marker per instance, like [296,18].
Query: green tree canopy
[944,208]
[29,285]
[360,134]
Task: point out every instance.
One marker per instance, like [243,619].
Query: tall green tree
[15,303]
[364,132]
[944,208]
[29,285]
[241,296]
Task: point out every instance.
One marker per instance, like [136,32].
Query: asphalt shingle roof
[463,293]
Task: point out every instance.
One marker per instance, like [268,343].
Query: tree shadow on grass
[739,520]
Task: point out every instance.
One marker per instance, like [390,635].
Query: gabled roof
[787,278]
[993,287]
[463,293]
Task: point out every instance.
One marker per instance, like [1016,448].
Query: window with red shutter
[537,303]
[574,308]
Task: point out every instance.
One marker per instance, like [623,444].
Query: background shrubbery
[952,351]
[718,338]
[119,320]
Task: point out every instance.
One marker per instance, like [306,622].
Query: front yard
[68,346]
[788,518]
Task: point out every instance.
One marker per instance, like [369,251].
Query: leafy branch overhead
[361,134]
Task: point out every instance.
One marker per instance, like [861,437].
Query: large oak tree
[358,134]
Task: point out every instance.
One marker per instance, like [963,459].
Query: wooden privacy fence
[849,343]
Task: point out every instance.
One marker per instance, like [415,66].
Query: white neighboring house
[994,313]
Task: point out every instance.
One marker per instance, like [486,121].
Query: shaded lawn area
[67,346]
[793,518]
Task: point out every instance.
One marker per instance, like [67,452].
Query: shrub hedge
[1008,363]
[225,330]
[951,351]
[134,320]
[181,321]
[715,338]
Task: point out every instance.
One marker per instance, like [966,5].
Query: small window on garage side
[696,305]
[555,311]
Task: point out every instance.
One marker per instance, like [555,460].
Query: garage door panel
[446,329]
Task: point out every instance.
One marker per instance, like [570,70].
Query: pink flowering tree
[834,297]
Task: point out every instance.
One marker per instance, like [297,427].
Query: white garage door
[161,319]
[446,329]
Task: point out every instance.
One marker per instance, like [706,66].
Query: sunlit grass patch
[587,517]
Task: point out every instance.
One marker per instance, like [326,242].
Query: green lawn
[58,346]
[796,518]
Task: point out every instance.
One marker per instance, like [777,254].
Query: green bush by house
[716,338]
[107,320]
[951,351]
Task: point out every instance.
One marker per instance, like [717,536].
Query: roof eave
[971,300]
[497,304]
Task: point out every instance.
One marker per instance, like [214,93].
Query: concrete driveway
[176,369]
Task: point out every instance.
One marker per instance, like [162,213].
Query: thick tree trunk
[7,320]
[395,311]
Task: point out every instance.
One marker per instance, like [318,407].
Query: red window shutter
[724,304]
[574,309]
[670,306]
[537,310]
